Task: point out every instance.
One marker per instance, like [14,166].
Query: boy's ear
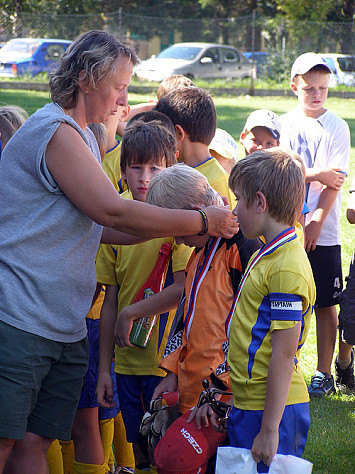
[124,113]
[179,132]
[294,87]
[242,137]
[261,203]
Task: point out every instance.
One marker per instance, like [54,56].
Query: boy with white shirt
[322,139]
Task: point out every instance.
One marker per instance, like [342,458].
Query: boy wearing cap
[261,131]
[322,139]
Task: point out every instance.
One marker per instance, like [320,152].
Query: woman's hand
[221,222]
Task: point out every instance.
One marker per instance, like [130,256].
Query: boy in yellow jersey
[147,148]
[270,317]
[192,111]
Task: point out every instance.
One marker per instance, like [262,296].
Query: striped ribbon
[281,239]
[199,275]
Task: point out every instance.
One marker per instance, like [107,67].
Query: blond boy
[322,139]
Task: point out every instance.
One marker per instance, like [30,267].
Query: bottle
[142,328]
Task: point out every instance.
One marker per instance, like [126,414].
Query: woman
[56,204]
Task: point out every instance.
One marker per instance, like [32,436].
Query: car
[196,61]
[343,67]
[30,56]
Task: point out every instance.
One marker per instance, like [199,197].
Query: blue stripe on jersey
[259,331]
[285,307]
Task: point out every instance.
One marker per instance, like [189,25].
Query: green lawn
[331,441]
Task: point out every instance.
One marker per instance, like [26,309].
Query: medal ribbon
[281,239]
[199,275]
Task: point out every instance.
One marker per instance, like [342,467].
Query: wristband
[205,222]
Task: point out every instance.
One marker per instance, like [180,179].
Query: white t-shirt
[322,143]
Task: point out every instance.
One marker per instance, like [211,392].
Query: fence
[151,34]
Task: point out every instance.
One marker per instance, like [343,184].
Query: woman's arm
[82,179]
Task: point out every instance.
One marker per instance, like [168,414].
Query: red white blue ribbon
[281,239]
[199,275]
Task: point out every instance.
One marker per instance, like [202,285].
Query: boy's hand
[201,414]
[168,384]
[332,178]
[265,446]
[122,329]
[312,235]
[221,222]
[104,390]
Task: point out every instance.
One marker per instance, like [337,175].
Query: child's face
[246,216]
[259,138]
[138,177]
[198,241]
[312,90]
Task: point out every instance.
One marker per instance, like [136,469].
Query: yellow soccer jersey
[278,293]
[112,167]
[217,177]
[129,266]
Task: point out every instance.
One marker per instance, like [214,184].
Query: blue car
[30,56]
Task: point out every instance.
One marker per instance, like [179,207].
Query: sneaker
[344,378]
[321,385]
[124,470]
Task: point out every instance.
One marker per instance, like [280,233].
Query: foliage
[310,10]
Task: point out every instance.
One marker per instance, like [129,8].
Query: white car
[343,67]
[196,61]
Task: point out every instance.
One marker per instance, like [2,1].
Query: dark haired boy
[192,111]
[147,148]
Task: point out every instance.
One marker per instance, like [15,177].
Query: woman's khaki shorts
[40,384]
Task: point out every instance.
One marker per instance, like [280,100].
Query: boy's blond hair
[14,114]
[100,133]
[278,175]
[182,187]
[173,82]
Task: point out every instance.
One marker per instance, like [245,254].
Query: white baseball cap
[264,118]
[306,61]
[224,144]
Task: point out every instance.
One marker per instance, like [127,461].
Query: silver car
[196,61]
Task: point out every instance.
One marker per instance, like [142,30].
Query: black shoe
[344,378]
[321,384]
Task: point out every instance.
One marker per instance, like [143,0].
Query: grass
[331,440]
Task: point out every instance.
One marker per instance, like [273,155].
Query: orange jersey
[201,347]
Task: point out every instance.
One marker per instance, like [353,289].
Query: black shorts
[326,266]
[347,308]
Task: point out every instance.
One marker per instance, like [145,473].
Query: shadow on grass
[331,439]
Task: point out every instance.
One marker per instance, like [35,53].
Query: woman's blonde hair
[279,175]
[94,55]
[182,187]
